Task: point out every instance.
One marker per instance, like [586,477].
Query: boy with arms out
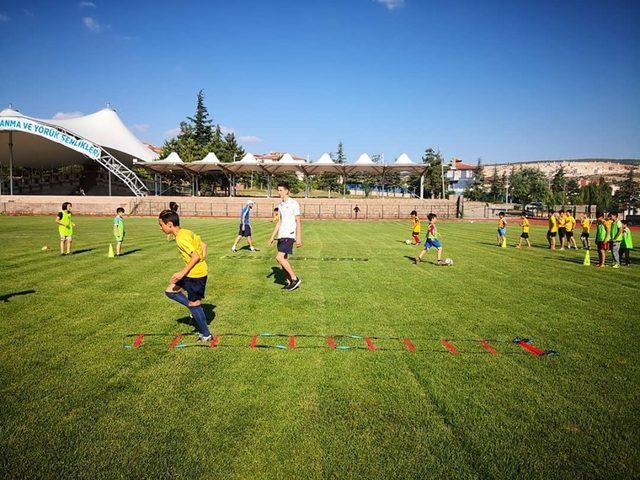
[569,225]
[118,229]
[502,228]
[65,227]
[586,227]
[416,227]
[524,223]
[432,240]
[245,227]
[289,230]
[193,277]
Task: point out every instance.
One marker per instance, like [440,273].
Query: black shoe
[293,285]
[286,286]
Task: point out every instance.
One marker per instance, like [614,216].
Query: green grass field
[76,403]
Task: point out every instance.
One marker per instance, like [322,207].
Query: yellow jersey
[570,222]
[561,221]
[525,225]
[607,224]
[553,224]
[417,226]
[188,242]
[502,223]
[586,225]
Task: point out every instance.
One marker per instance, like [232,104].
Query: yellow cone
[111,255]
[504,243]
[587,258]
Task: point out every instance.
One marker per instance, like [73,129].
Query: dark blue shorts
[285,245]
[194,287]
[432,242]
[245,231]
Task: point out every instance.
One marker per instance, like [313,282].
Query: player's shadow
[279,277]
[578,261]
[84,250]
[209,311]
[5,298]
[129,252]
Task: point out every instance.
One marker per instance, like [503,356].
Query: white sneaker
[202,338]
[233,249]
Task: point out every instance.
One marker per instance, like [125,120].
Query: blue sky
[505,81]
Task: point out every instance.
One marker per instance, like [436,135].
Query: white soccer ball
[448,261]
[408,242]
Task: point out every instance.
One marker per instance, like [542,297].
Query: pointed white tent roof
[10,112]
[364,159]
[210,158]
[105,128]
[248,158]
[173,157]
[403,160]
[210,163]
[287,158]
[325,159]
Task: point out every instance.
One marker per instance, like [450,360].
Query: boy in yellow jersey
[416,227]
[569,225]
[276,215]
[586,227]
[193,277]
[524,223]
[502,228]
[65,227]
[561,228]
[552,233]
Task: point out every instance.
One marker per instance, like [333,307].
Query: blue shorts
[194,287]
[502,232]
[432,242]
[244,231]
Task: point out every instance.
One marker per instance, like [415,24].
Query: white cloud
[66,115]
[226,130]
[174,132]
[93,25]
[142,127]
[391,4]
[4,18]
[87,5]
[250,139]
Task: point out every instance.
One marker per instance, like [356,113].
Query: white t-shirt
[288,211]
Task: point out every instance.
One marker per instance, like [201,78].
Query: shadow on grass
[129,252]
[577,261]
[279,276]
[5,298]
[84,250]
[209,311]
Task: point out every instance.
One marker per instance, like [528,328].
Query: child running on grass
[193,277]
[586,227]
[627,243]
[289,231]
[552,233]
[416,227]
[433,240]
[524,223]
[602,239]
[65,227]
[502,228]
[118,229]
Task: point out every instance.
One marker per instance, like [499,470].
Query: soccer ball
[408,242]
[45,248]
[448,262]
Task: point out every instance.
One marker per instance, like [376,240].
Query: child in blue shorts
[433,240]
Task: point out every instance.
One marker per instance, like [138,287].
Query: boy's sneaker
[234,249]
[204,338]
[294,284]
[286,286]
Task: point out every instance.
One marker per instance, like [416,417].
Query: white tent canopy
[210,163]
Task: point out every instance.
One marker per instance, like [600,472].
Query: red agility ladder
[138,341]
[175,342]
[487,346]
[332,343]
[531,349]
[214,341]
[253,342]
[449,346]
[369,343]
[409,345]
[292,342]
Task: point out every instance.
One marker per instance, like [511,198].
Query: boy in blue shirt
[245,227]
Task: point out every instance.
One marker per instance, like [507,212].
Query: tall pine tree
[202,129]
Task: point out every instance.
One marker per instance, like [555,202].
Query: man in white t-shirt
[289,230]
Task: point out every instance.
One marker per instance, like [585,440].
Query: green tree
[231,150]
[496,186]
[202,129]
[597,194]
[434,172]
[340,156]
[529,185]
[573,191]
[559,187]
[628,195]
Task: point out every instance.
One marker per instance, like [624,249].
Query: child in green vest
[616,238]
[65,227]
[118,229]
[602,239]
[627,243]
